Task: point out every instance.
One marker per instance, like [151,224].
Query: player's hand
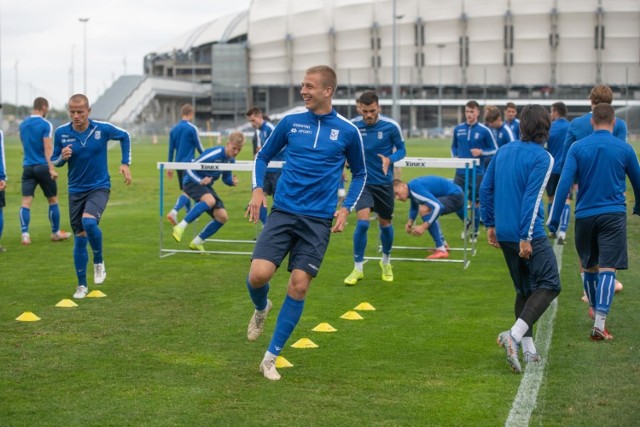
[234,180]
[66,152]
[525,249]
[126,173]
[206,180]
[408,226]
[257,201]
[169,173]
[340,220]
[53,174]
[385,163]
[3,185]
[491,237]
[419,230]
[476,152]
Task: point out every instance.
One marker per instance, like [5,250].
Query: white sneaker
[81,292]
[268,369]
[99,273]
[256,324]
[26,239]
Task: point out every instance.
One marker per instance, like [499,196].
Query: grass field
[168,346]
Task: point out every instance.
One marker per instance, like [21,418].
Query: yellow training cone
[66,303]
[281,362]
[27,316]
[96,294]
[351,315]
[324,327]
[364,306]
[304,343]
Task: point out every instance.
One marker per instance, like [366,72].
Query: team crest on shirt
[477,135]
[334,134]
[379,134]
[98,134]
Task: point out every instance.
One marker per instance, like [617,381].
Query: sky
[42,41]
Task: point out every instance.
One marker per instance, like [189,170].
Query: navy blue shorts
[196,191]
[378,198]
[92,202]
[540,271]
[304,238]
[451,203]
[459,181]
[38,175]
[601,241]
[270,181]
[180,174]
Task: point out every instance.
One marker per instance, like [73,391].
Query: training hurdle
[240,165]
[470,168]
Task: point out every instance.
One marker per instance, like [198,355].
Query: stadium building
[425,58]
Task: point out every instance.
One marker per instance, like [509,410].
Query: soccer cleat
[511,348]
[531,357]
[256,324]
[173,218]
[598,334]
[60,236]
[552,235]
[268,369]
[354,277]
[474,237]
[196,247]
[26,239]
[437,254]
[81,292]
[387,272]
[99,273]
[177,233]
[561,240]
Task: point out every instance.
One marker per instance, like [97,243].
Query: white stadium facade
[425,58]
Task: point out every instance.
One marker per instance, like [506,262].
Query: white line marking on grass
[526,399]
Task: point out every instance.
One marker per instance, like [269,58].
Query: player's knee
[221,215]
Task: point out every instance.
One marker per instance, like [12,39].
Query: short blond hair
[236,138]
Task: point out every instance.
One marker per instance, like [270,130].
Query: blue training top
[316,149]
[88,169]
[466,137]
[514,125]
[380,138]
[512,189]
[600,163]
[33,131]
[184,142]
[425,191]
[3,165]
[211,155]
[555,144]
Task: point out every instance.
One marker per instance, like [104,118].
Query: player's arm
[355,159]
[487,201]
[60,154]
[633,172]
[454,145]
[567,177]
[122,135]
[532,197]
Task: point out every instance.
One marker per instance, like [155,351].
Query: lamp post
[84,41]
[395,114]
[440,47]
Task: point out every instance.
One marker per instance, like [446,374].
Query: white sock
[386,258]
[519,329]
[442,248]
[173,212]
[528,345]
[562,234]
[268,355]
[198,240]
[359,265]
[600,319]
[183,224]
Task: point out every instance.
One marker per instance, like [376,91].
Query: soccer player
[557,136]
[37,170]
[501,131]
[430,197]
[511,200]
[380,135]
[510,113]
[472,139]
[263,129]
[3,185]
[600,163]
[300,222]
[82,144]
[198,184]
[183,144]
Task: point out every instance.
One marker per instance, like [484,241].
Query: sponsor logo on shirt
[476,136]
[334,134]
[301,128]
[380,135]
[98,134]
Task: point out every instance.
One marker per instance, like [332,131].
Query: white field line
[526,399]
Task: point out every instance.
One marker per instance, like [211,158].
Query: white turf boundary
[526,399]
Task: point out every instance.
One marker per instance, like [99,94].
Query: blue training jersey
[555,144]
[425,191]
[600,164]
[466,137]
[316,149]
[380,138]
[184,142]
[503,135]
[88,169]
[514,125]
[33,131]
[512,189]
[3,165]
[211,155]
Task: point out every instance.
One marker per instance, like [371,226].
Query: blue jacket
[88,169]
[512,189]
[380,138]
[33,131]
[184,142]
[425,191]
[514,125]
[211,155]
[466,137]
[600,163]
[317,147]
[555,144]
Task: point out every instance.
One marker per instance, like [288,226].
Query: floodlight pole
[394,72]
[440,47]
[84,41]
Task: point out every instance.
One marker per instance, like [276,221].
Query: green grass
[167,346]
